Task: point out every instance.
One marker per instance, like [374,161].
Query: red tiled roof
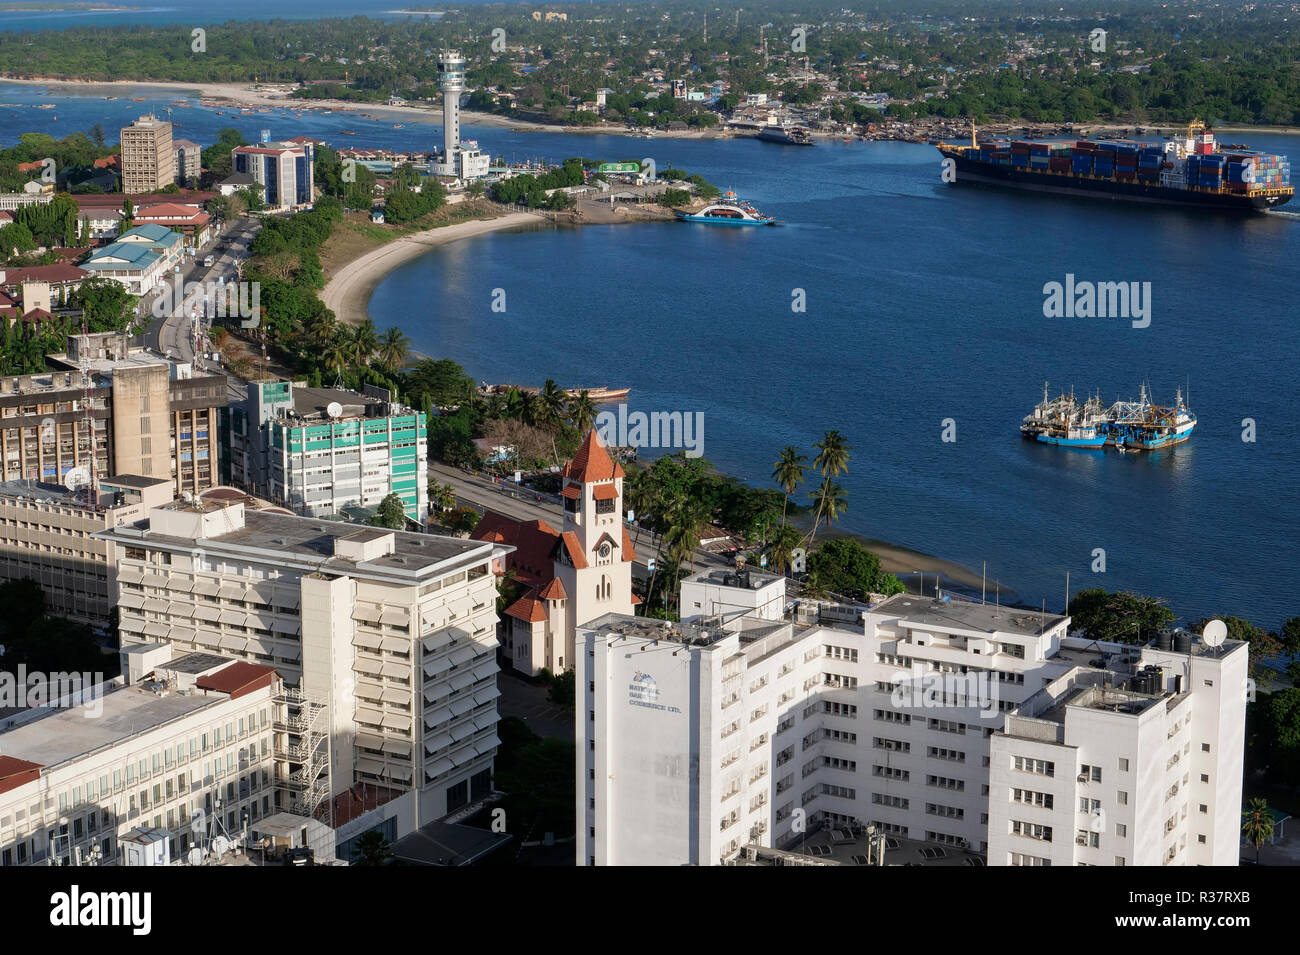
[238,679]
[15,772]
[571,545]
[43,273]
[628,552]
[107,162]
[553,590]
[604,492]
[37,315]
[572,492]
[167,209]
[592,462]
[528,608]
[533,541]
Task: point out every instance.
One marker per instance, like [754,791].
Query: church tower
[594,557]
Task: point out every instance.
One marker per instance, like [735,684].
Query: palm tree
[831,501]
[364,342]
[780,551]
[338,353]
[582,411]
[393,348]
[832,454]
[788,473]
[552,399]
[1257,824]
[683,533]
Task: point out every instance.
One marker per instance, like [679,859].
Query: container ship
[1125,426]
[1188,172]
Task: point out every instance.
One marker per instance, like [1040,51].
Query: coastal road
[522,504]
[172,334]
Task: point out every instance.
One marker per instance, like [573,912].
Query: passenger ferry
[729,210]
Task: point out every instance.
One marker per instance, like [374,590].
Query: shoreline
[348,292]
[259,95]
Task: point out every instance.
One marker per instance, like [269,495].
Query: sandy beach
[265,95]
[347,292]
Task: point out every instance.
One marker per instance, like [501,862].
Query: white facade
[142,760]
[919,719]
[728,594]
[393,632]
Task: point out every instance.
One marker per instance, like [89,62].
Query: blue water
[13,17]
[924,302]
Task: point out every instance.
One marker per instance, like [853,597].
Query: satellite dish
[334,409]
[1214,633]
[77,477]
[195,856]
[220,846]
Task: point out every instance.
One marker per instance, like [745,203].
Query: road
[509,500]
[172,334]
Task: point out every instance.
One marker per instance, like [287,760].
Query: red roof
[553,591]
[172,209]
[43,273]
[570,541]
[628,552]
[604,492]
[37,315]
[528,608]
[533,541]
[238,679]
[572,492]
[107,162]
[15,772]
[592,462]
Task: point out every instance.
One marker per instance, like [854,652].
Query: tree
[442,497]
[106,305]
[582,411]
[393,347]
[128,216]
[391,513]
[561,690]
[780,549]
[372,849]
[1257,824]
[1118,617]
[829,502]
[832,454]
[1290,634]
[1279,731]
[845,567]
[443,380]
[788,472]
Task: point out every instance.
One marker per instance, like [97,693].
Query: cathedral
[573,575]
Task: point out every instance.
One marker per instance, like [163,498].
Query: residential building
[571,575]
[46,535]
[151,416]
[190,221]
[148,158]
[325,451]
[76,779]
[390,633]
[139,259]
[188,161]
[285,172]
[968,727]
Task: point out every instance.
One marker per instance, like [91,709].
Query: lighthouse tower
[451,80]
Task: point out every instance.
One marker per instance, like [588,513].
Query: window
[1122,797]
[1205,747]
[1092,773]
[1123,765]
[1121,830]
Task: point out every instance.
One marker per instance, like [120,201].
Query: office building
[188,161]
[46,534]
[201,741]
[151,416]
[971,728]
[326,452]
[285,172]
[391,635]
[148,157]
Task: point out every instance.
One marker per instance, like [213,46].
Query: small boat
[138,99]
[347,132]
[728,211]
[397,125]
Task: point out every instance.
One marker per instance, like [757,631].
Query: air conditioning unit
[1080,840]
[1083,777]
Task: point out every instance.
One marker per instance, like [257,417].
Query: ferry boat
[786,135]
[729,210]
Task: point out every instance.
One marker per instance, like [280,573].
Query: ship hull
[1012,177]
[719,220]
[1098,442]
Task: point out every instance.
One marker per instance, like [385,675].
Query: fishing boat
[347,132]
[729,210]
[1126,426]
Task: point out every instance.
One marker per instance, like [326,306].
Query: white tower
[451,80]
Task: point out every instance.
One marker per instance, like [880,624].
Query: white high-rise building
[460,160]
[392,635]
[964,725]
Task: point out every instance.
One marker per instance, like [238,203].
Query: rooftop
[69,732]
[309,543]
[843,846]
[963,615]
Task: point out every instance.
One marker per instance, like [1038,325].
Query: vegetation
[1118,617]
[537,776]
[372,849]
[41,642]
[1257,824]
[843,566]
[391,513]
